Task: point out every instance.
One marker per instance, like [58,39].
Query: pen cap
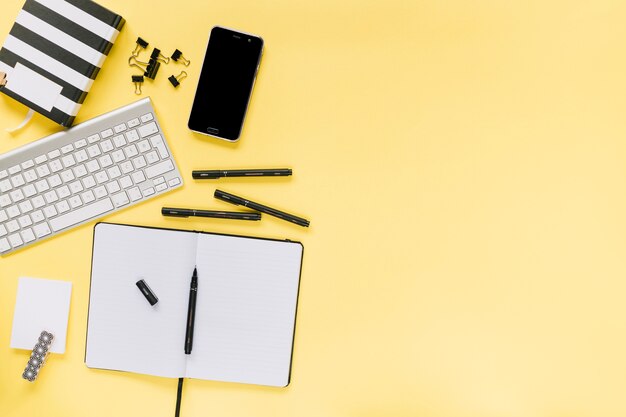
[147,292]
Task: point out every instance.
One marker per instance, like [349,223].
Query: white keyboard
[95,168]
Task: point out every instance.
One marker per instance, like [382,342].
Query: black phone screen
[225,84]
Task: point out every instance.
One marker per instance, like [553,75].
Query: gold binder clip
[175,80]
[179,55]
[3,79]
[137,80]
[158,56]
[141,44]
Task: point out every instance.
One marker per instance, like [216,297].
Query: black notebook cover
[53,54]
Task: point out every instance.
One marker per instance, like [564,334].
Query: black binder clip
[179,55]
[141,44]
[158,56]
[150,68]
[137,80]
[175,80]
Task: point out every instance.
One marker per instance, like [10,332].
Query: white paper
[124,331]
[33,87]
[246,309]
[42,304]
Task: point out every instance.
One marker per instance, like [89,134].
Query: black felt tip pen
[239,201]
[212,174]
[191,312]
[235,215]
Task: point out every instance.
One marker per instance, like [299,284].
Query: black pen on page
[191,317]
[239,201]
[212,174]
[235,215]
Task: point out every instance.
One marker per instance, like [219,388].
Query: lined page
[245,314]
[124,331]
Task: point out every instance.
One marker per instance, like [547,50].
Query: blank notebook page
[124,331]
[246,307]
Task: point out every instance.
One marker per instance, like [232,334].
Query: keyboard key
[51,197]
[4,200]
[89,181]
[118,156]
[63,206]
[5,186]
[106,145]
[25,221]
[157,142]
[54,154]
[113,187]
[174,182]
[68,161]
[42,230]
[101,177]
[120,128]
[18,180]
[159,169]
[126,167]
[93,138]
[132,136]
[114,172]
[126,182]
[29,190]
[38,201]
[139,162]
[76,187]
[80,171]
[37,216]
[88,197]
[55,181]
[3,216]
[94,151]
[75,201]
[143,146]
[42,186]
[134,194]
[131,151]
[152,157]
[81,143]
[161,187]
[64,191]
[120,199]
[158,181]
[3,230]
[26,206]
[12,226]
[138,177]
[16,240]
[84,213]
[106,133]
[92,166]
[3,174]
[67,149]
[119,141]
[17,195]
[148,129]
[50,211]
[41,159]
[27,235]
[148,192]
[68,175]
[100,192]
[30,175]
[28,164]
[43,171]
[105,161]
[4,245]
[56,165]
[13,212]
[81,156]
[146,117]
[15,169]
[133,122]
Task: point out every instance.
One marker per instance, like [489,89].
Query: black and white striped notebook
[53,54]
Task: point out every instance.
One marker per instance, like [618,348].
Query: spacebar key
[82,214]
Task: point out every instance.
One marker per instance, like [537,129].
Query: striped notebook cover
[53,54]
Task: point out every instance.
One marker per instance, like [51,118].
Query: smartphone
[228,72]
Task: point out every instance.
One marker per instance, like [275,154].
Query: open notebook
[245,313]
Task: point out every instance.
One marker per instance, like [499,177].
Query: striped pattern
[65,41]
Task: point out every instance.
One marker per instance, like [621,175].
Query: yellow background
[463,165]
